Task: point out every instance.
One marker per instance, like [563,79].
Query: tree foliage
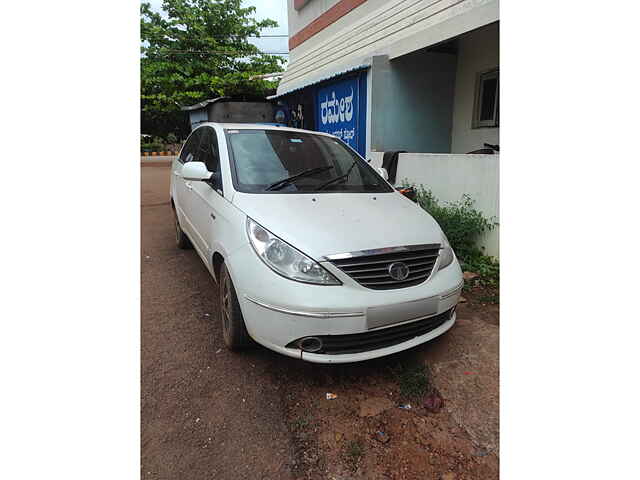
[199,51]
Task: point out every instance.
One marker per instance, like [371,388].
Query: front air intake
[374,270]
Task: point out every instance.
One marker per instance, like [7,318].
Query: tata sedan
[316,255]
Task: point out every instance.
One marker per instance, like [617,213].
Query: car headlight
[286,260]
[446,253]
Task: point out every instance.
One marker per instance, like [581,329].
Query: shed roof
[237,98]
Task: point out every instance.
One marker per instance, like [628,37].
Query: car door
[208,198]
[181,191]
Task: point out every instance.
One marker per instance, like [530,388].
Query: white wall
[412,102]
[377,27]
[450,176]
[298,19]
[478,51]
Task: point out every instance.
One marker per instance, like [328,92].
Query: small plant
[461,222]
[487,267]
[414,382]
[489,299]
[464,225]
[300,423]
[354,450]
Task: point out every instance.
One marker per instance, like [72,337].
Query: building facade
[420,76]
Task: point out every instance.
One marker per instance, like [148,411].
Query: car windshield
[296,162]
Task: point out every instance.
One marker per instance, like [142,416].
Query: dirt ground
[210,413]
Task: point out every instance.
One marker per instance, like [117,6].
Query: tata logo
[398,271]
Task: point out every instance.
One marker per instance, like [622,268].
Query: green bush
[487,267]
[152,147]
[158,144]
[462,224]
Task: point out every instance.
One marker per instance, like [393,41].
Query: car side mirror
[383,173]
[195,171]
[409,192]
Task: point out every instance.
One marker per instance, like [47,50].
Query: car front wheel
[182,241]
[234,330]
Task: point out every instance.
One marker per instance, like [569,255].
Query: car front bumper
[278,311]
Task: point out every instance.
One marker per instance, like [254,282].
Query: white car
[317,256]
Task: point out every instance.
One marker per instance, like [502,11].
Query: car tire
[182,241]
[234,331]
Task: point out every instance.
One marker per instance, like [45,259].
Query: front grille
[372,271]
[376,339]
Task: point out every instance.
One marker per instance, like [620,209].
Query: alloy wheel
[225,303]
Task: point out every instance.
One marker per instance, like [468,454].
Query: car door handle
[176,173]
[213,216]
[189,186]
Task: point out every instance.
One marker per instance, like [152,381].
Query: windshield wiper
[337,179]
[305,173]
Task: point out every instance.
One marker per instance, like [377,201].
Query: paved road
[205,412]
[157,160]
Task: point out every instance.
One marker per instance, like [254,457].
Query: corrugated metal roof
[324,78]
[200,105]
[238,98]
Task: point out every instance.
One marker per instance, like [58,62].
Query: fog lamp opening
[310,344]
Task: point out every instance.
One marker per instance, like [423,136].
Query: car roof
[260,126]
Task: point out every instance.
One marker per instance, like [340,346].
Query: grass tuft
[354,450]
[414,382]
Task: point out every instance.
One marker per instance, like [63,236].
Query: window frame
[188,146]
[209,134]
[481,78]
[237,186]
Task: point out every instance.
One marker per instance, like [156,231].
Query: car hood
[330,223]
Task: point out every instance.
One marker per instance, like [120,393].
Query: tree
[199,51]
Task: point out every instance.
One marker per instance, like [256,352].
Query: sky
[274,9]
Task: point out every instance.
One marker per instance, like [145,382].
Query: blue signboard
[340,111]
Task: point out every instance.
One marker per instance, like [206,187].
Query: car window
[190,147]
[257,163]
[320,163]
[208,149]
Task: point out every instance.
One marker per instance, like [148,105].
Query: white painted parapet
[449,176]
